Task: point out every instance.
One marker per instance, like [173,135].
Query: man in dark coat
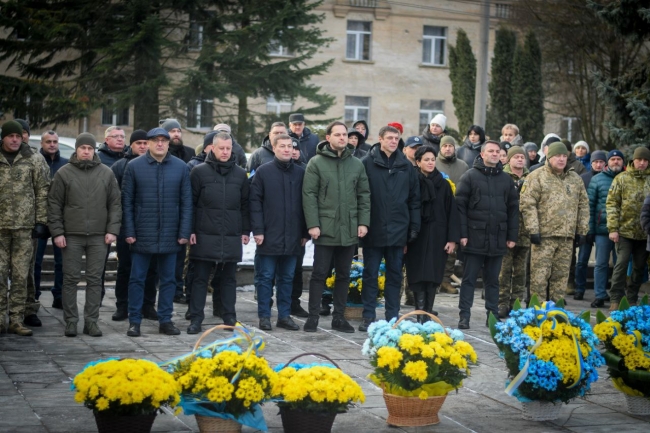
[265,152]
[138,145]
[488,205]
[157,206]
[113,148]
[277,221]
[220,193]
[299,131]
[50,151]
[394,221]
[237,150]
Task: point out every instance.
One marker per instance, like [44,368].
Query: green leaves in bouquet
[624,304]
[644,300]
[534,302]
[517,305]
[586,316]
[600,317]
[492,321]
[560,303]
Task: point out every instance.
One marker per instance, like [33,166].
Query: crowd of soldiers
[179,217]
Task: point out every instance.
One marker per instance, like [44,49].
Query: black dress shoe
[168,328]
[265,324]
[578,296]
[298,311]
[311,325]
[287,323]
[365,324]
[57,303]
[194,328]
[33,321]
[149,312]
[120,314]
[230,321]
[463,324]
[598,303]
[342,325]
[134,330]
[180,299]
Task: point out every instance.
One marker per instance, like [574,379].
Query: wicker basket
[108,423]
[211,424]
[412,411]
[300,421]
[540,410]
[637,405]
[353,313]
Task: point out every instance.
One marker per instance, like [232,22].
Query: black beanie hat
[209,138]
[138,134]
[25,125]
[85,138]
[11,127]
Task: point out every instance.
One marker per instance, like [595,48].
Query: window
[356,108]
[503,10]
[278,107]
[570,128]
[195,35]
[278,50]
[114,116]
[428,109]
[363,3]
[434,45]
[199,114]
[358,45]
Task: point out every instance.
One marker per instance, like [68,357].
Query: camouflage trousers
[549,266]
[512,278]
[16,251]
[31,304]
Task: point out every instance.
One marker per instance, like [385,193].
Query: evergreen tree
[500,88]
[462,73]
[528,92]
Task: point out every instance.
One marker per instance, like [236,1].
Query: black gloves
[536,239]
[413,235]
[591,238]
[40,231]
[580,240]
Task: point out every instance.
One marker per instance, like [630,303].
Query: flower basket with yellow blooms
[354,306]
[223,383]
[626,337]
[125,394]
[550,354]
[310,395]
[416,365]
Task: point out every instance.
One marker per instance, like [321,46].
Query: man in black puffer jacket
[221,224]
[279,230]
[488,204]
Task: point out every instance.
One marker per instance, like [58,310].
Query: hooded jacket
[336,196]
[488,205]
[624,201]
[220,197]
[307,142]
[261,156]
[597,192]
[108,156]
[469,151]
[394,198]
[84,200]
[428,139]
[358,150]
[365,146]
[276,208]
[156,204]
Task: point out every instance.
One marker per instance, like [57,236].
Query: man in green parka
[336,203]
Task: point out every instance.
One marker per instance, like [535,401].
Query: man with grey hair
[306,140]
[265,153]
[113,147]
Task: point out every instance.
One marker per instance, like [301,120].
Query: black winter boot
[430,297]
[420,299]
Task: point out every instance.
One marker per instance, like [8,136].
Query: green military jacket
[23,196]
[554,205]
[523,240]
[335,196]
[624,201]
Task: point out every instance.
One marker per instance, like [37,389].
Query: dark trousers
[214,283]
[140,267]
[58,269]
[491,268]
[226,274]
[178,271]
[371,261]
[626,248]
[581,267]
[296,292]
[124,274]
[323,255]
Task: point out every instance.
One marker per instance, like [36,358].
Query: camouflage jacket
[554,205]
[523,240]
[23,197]
[624,201]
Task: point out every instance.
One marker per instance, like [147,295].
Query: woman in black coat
[439,232]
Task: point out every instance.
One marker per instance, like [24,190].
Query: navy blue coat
[119,167]
[54,162]
[220,197]
[109,157]
[276,208]
[156,204]
[394,199]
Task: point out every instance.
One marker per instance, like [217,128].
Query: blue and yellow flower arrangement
[626,337]
[550,353]
[417,360]
[356,282]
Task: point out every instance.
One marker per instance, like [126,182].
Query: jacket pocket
[502,236]
[328,222]
[476,235]
[354,223]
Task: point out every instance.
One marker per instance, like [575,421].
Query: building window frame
[278,108]
[434,46]
[113,116]
[428,109]
[356,108]
[200,114]
[195,35]
[358,45]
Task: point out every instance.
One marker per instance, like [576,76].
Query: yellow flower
[389,357]
[416,370]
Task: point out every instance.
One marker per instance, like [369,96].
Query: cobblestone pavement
[35,374]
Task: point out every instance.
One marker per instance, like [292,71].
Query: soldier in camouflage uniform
[555,210]
[624,202]
[25,180]
[512,279]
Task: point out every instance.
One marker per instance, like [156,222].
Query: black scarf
[428,186]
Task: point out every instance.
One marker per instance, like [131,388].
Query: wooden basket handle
[312,354]
[208,331]
[421,312]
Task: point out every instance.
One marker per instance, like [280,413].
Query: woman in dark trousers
[439,233]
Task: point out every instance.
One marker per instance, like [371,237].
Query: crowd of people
[420,205]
